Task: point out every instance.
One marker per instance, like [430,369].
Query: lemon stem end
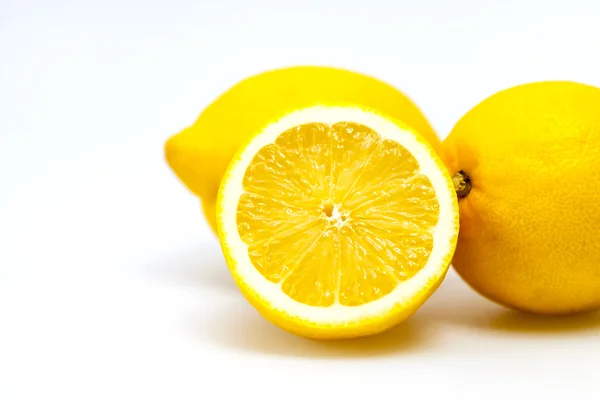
[462,184]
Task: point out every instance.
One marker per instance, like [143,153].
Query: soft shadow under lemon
[236,325]
[458,305]
[514,321]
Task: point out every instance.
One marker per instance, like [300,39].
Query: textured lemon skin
[309,329]
[200,153]
[530,226]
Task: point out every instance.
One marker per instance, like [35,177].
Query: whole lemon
[528,164]
[200,153]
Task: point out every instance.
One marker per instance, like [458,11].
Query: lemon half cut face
[337,221]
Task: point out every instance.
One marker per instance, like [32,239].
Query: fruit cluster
[339,209]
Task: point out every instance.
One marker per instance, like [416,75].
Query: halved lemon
[337,222]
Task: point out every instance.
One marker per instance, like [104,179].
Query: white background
[111,284]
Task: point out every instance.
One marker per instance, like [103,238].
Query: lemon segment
[337,221]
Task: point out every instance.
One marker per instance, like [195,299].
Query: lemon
[337,222]
[200,153]
[530,162]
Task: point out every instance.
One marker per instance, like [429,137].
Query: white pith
[271,293]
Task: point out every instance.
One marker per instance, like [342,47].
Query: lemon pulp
[335,214]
